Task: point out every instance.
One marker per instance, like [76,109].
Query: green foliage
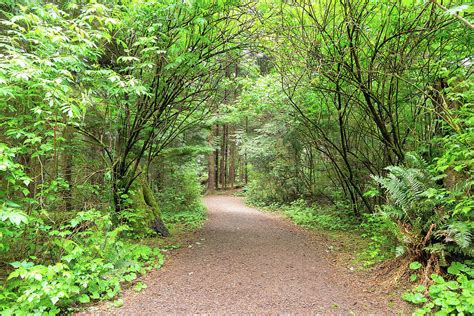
[285,166]
[327,218]
[181,190]
[89,261]
[180,197]
[92,91]
[446,297]
[12,221]
[456,148]
[336,217]
[12,172]
[190,219]
[258,195]
[139,287]
[414,297]
[68,73]
[425,214]
[415,265]
[382,234]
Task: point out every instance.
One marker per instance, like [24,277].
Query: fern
[414,160]
[423,212]
[405,187]
[457,232]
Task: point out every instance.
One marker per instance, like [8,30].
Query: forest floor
[245,261]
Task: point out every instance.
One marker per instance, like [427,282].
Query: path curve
[249,262]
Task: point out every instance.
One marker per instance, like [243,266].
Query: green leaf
[438,279]
[130,277]
[453,285]
[140,286]
[84,298]
[118,303]
[456,267]
[415,298]
[415,265]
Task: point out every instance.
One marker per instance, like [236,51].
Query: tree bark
[222,166]
[226,155]
[232,162]
[211,160]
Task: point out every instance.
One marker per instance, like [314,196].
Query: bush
[88,262]
[329,218]
[181,190]
[258,194]
[430,225]
[180,197]
[191,220]
[383,235]
[453,295]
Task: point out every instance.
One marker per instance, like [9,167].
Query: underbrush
[381,236]
[448,295]
[427,226]
[180,190]
[330,213]
[179,198]
[78,262]
[328,218]
[186,220]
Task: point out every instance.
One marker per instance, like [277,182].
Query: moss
[149,197]
[146,210]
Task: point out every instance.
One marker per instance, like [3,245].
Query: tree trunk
[156,222]
[140,199]
[222,167]
[211,160]
[232,163]
[226,155]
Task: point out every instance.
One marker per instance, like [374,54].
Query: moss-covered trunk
[156,222]
[145,213]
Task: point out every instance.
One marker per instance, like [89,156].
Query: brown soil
[248,262]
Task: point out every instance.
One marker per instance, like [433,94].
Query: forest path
[249,262]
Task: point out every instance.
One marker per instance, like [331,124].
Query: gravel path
[248,262]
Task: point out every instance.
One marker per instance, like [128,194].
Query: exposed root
[432,266]
[392,273]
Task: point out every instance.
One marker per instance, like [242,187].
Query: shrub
[382,234]
[180,198]
[88,262]
[258,194]
[431,227]
[330,218]
[446,296]
[181,190]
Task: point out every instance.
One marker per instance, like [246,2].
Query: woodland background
[116,116]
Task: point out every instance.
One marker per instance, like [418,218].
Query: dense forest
[116,116]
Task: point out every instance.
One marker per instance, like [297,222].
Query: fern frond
[404,186]
[458,232]
[416,161]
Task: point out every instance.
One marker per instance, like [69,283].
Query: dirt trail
[248,262]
